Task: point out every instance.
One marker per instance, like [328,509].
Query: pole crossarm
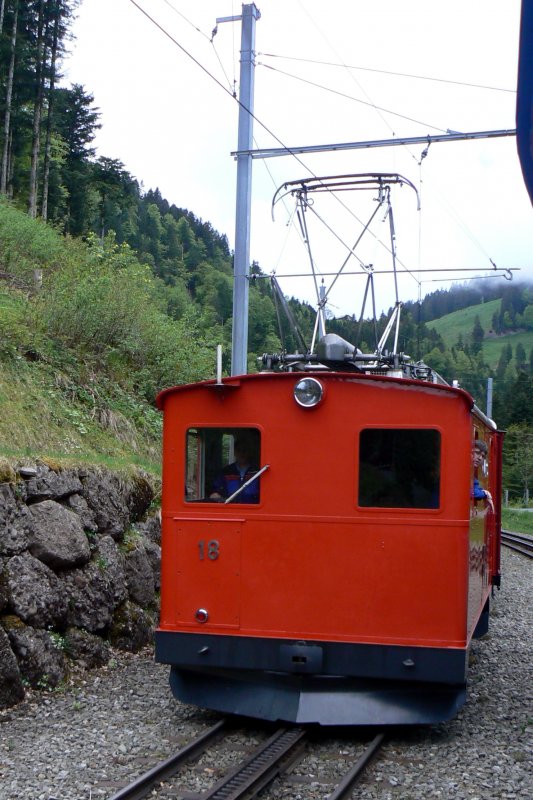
[452,136]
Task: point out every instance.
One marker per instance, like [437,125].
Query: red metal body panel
[307,562]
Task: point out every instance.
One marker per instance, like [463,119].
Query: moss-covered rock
[132,628]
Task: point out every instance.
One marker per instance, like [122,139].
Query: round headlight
[308,392]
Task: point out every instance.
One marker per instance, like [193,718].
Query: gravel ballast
[97,734]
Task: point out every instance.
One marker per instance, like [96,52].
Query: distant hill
[459,325]
[462,322]
[492,348]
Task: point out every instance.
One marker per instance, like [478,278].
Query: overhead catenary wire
[210,39]
[333,49]
[377,109]
[351,251]
[389,72]
[187,20]
[213,77]
[354,99]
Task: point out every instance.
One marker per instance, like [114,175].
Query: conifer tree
[7,133]
[477,337]
[520,356]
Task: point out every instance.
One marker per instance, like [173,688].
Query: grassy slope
[461,323]
[45,412]
[41,417]
[492,348]
[53,403]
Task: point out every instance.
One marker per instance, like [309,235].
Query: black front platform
[318,700]
[328,683]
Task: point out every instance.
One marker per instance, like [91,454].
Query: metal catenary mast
[250,14]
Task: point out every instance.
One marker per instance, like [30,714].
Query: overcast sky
[323,69]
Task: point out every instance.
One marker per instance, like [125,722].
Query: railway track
[519,542]
[272,759]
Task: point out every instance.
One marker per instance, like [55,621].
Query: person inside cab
[237,474]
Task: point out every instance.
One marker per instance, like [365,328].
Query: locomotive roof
[235,381]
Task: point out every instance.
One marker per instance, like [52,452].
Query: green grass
[46,415]
[517,521]
[461,323]
[492,348]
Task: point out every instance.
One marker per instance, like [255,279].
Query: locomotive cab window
[399,468]
[221,464]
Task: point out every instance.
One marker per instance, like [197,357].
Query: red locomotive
[339,576]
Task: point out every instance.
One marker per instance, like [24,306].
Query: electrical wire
[351,97]
[187,20]
[463,226]
[210,39]
[360,86]
[389,72]
[365,93]
[209,74]
[333,49]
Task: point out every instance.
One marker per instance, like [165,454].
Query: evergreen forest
[109,293]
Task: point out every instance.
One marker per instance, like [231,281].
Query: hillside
[84,351]
[45,414]
[493,347]
[461,323]
[458,326]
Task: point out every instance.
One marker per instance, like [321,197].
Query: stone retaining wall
[79,572]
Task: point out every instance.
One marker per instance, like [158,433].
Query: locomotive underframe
[334,682]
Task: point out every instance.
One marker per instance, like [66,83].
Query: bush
[109,308]
[28,244]
[16,333]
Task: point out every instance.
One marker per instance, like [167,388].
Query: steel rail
[141,787]
[519,542]
[260,769]
[249,778]
[344,788]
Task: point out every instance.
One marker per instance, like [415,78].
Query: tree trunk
[47,146]
[9,96]
[37,112]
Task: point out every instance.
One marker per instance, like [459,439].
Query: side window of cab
[399,468]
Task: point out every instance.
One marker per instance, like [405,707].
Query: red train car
[345,582]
